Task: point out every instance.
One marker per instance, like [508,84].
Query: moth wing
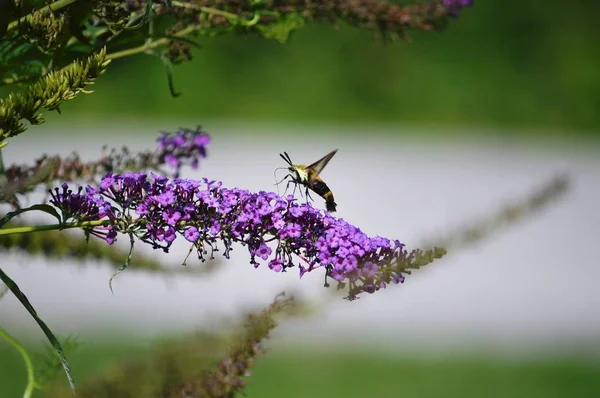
[320,164]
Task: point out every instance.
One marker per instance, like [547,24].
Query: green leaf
[169,69]
[13,47]
[41,207]
[53,340]
[281,29]
[146,18]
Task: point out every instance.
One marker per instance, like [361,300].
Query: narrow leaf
[169,69]
[53,340]
[40,207]
[147,17]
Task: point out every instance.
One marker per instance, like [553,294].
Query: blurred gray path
[532,285]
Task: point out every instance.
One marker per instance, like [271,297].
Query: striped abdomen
[319,187]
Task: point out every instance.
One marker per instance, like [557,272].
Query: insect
[308,176]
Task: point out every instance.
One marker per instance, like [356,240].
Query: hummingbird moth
[308,176]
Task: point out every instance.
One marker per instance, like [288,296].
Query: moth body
[308,177]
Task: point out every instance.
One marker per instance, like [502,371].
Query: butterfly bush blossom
[277,231]
[183,147]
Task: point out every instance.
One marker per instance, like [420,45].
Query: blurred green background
[516,65]
[360,373]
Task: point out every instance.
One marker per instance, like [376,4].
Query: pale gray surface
[534,284]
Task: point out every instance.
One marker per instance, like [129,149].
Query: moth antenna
[289,159]
[286,159]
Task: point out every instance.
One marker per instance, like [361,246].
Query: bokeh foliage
[334,373]
[510,64]
[45,45]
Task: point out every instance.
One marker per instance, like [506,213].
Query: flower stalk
[276,231]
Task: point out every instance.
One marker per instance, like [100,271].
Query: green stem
[51,227]
[28,364]
[148,46]
[207,10]
[57,5]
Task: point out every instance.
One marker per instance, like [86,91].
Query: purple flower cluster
[455,6]
[85,207]
[276,230]
[177,149]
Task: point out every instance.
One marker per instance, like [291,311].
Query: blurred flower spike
[276,230]
[455,6]
[183,147]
